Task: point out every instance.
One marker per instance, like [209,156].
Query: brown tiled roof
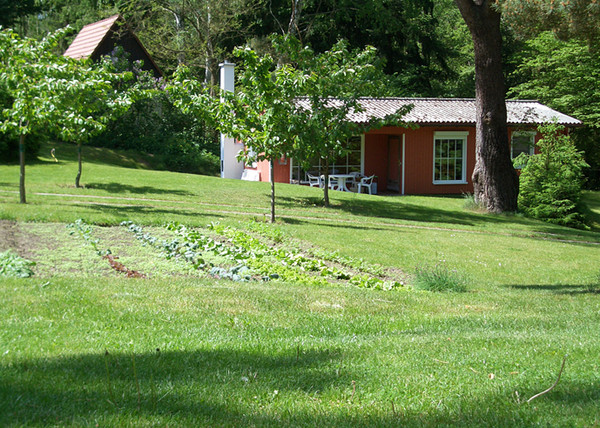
[90,37]
[452,111]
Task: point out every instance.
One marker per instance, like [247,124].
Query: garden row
[253,251]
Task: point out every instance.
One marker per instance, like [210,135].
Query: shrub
[551,181]
[439,278]
[178,141]
[9,147]
[9,144]
[14,266]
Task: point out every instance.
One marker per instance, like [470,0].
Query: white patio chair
[367,183]
[356,176]
[314,180]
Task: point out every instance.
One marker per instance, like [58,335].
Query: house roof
[453,111]
[99,38]
[90,37]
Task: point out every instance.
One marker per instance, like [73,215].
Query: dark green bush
[551,181]
[9,147]
[178,141]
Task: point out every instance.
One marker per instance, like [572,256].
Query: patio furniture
[356,176]
[314,180]
[367,183]
[338,181]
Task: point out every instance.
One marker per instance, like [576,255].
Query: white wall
[230,166]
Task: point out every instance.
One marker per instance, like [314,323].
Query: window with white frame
[350,162]
[522,142]
[450,157]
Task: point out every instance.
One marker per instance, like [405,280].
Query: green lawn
[80,344]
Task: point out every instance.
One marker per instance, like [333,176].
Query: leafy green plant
[14,266]
[439,277]
[551,181]
[85,231]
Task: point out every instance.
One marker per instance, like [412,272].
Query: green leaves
[14,266]
[73,98]
[551,182]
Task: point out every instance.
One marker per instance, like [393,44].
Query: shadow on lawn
[561,288]
[127,188]
[233,388]
[385,209]
[131,210]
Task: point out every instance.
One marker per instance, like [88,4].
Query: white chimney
[230,166]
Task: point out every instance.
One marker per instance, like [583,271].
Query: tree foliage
[567,18]
[335,82]
[551,181]
[295,104]
[51,93]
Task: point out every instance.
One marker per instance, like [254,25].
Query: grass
[211,353]
[439,278]
[82,345]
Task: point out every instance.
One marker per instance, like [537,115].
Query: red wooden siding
[381,144]
[281,170]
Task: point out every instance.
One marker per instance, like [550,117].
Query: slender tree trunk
[293,25]
[272,192]
[23,200]
[495,182]
[326,183]
[208,57]
[79,166]
[179,37]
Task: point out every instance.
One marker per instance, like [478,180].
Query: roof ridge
[113,17]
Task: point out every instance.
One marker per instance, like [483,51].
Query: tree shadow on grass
[569,289]
[230,387]
[128,211]
[341,225]
[396,210]
[127,188]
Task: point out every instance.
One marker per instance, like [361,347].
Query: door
[394,170]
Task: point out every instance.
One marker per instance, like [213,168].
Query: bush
[9,144]
[551,181]
[9,147]
[178,141]
[439,278]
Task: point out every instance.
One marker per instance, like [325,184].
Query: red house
[437,157]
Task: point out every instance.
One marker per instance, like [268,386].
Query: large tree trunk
[22,169]
[495,182]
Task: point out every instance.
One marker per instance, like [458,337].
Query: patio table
[341,181]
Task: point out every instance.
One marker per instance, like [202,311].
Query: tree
[495,181]
[99,96]
[564,75]
[51,92]
[334,84]
[551,181]
[296,104]
[567,18]
[412,44]
[196,33]
[261,113]
[12,10]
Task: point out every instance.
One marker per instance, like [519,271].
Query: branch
[555,383]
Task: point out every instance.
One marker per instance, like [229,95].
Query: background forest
[423,46]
